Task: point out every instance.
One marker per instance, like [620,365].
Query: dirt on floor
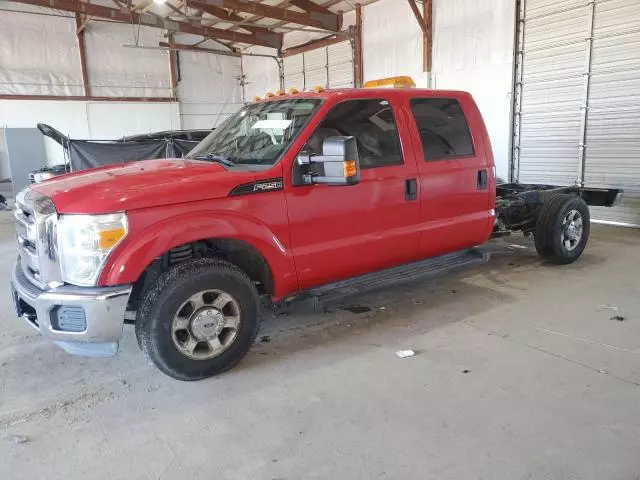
[521,371]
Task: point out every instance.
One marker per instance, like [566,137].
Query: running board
[403,274]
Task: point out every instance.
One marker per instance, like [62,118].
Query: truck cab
[418,193]
[293,192]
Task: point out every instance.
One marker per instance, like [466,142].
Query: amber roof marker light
[391,82]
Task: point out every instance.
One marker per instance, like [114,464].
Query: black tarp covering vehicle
[85,154]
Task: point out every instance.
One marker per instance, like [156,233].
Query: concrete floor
[520,374]
[6,191]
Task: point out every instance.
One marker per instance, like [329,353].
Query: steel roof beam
[322,20]
[269,39]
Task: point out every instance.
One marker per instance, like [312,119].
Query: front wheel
[199,319]
[562,228]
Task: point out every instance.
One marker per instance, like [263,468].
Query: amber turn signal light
[109,238]
[349,168]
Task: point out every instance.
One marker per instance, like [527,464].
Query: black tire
[170,291]
[137,330]
[549,228]
[538,244]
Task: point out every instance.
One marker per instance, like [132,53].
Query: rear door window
[444,131]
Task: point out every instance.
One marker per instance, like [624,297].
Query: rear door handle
[410,189]
[483,179]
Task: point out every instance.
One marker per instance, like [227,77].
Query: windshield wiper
[215,158]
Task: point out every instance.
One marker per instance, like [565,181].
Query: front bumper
[103,308]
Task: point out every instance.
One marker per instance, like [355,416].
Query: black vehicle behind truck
[84,154]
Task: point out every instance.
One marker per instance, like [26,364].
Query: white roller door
[329,67]
[550,91]
[577,98]
[612,154]
[315,68]
[341,67]
[293,67]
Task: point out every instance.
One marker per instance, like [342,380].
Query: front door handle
[410,189]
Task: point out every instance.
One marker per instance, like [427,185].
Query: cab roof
[400,86]
[331,93]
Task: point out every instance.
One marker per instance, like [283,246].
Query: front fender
[150,237]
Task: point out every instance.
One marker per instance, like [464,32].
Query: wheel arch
[242,241]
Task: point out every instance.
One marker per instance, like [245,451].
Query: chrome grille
[27,283]
[35,222]
[27,237]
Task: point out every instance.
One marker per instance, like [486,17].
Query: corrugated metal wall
[577,98]
[330,67]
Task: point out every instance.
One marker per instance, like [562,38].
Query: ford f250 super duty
[294,193]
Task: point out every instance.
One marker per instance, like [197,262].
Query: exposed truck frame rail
[518,204]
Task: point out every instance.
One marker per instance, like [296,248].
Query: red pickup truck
[323,191]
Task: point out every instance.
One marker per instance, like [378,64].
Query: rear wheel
[199,319]
[562,228]
[537,242]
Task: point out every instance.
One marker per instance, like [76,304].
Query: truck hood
[143,184]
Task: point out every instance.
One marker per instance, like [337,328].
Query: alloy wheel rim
[572,229]
[206,324]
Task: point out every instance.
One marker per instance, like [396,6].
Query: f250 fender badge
[269,185]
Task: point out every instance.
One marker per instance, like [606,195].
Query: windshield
[258,134]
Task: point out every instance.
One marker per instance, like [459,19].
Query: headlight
[84,243]
[42,176]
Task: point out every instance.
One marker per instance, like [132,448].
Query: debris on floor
[17,438]
[356,309]
[405,353]
[265,339]
[615,308]
[466,371]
